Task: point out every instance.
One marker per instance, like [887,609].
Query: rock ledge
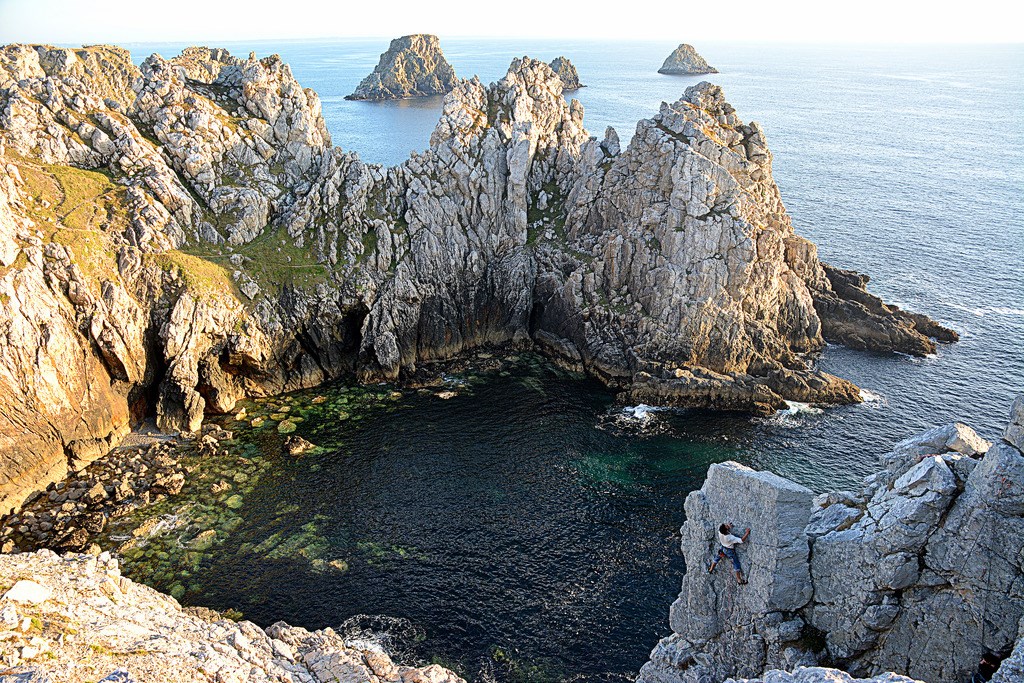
[931,544]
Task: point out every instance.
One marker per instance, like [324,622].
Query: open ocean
[905,163]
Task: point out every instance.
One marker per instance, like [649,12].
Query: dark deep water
[526,519]
[512,522]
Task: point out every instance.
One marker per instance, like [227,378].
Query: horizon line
[460,37]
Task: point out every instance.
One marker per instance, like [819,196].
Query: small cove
[512,531]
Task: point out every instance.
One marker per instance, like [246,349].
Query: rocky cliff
[178,235]
[920,571]
[565,70]
[413,66]
[684,60]
[76,619]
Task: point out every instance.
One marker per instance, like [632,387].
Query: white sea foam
[453,381]
[638,419]
[367,644]
[796,408]
[869,396]
[794,415]
[642,412]
[380,633]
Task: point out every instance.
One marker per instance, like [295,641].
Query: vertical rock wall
[920,572]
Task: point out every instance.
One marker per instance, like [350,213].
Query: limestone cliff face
[180,235]
[565,70]
[413,66]
[684,60]
[919,572]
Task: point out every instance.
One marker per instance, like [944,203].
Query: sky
[820,21]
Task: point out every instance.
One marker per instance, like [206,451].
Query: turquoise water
[532,528]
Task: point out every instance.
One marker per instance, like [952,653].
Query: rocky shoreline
[181,235]
[70,514]
[841,579]
[121,501]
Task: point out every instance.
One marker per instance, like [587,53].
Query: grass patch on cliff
[76,208]
[551,217]
[202,276]
[273,260]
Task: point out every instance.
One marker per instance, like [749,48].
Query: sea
[527,528]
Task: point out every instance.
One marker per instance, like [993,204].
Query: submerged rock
[296,445]
[685,60]
[565,70]
[413,66]
[932,544]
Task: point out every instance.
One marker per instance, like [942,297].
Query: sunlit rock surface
[77,620]
[565,70]
[684,60]
[182,234]
[413,66]
[918,572]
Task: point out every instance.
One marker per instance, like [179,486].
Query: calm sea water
[544,536]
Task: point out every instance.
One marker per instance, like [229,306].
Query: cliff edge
[918,572]
[412,66]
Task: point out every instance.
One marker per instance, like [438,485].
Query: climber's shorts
[732,555]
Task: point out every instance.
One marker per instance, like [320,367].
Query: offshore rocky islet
[685,60]
[415,66]
[412,66]
[562,210]
[228,250]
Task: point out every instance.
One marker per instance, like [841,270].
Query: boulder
[28,592]
[296,445]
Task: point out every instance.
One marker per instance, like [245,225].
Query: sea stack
[413,66]
[685,60]
[567,72]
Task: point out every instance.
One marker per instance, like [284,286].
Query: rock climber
[986,668]
[728,543]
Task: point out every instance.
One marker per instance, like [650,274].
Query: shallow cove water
[517,528]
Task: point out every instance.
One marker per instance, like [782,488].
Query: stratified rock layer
[182,234]
[76,619]
[413,66]
[565,70]
[919,572]
[684,60]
